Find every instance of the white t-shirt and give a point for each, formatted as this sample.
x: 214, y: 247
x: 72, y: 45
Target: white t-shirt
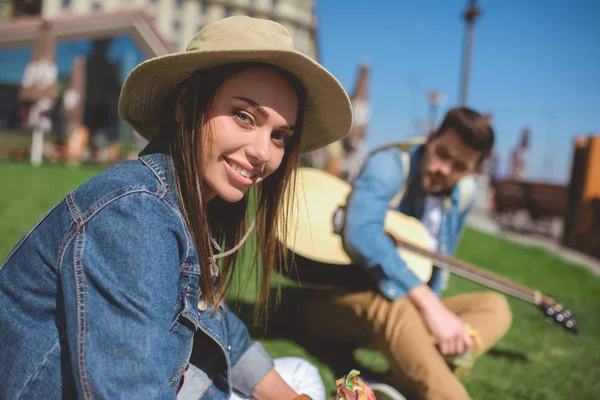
x: 432, y: 218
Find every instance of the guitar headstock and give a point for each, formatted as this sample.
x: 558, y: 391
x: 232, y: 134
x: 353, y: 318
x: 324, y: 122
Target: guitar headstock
x: 559, y: 314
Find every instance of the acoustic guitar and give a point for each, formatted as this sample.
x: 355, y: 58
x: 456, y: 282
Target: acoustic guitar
x: 322, y: 263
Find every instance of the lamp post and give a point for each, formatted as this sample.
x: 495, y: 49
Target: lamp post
x: 472, y: 13
x: 549, y: 117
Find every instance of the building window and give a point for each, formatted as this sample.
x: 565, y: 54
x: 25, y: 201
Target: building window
x: 65, y: 4
x: 179, y: 3
x: 176, y: 25
x: 274, y: 4
x: 203, y: 7
x: 228, y: 12
x: 96, y: 6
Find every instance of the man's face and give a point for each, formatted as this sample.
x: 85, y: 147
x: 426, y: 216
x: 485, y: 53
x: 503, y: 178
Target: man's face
x: 447, y: 159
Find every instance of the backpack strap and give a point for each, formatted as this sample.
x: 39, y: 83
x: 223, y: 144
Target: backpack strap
x: 404, y: 147
x: 466, y: 192
x: 395, y: 202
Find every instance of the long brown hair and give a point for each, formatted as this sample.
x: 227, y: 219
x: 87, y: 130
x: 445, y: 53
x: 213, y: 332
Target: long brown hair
x: 223, y: 221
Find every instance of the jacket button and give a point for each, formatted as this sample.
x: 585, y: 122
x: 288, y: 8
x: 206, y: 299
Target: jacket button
x: 202, y: 306
x: 229, y: 348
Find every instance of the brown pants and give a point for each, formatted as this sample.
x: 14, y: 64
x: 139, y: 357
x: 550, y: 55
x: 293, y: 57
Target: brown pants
x: 397, y: 329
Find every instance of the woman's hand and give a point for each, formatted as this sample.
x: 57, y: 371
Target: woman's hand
x: 273, y: 387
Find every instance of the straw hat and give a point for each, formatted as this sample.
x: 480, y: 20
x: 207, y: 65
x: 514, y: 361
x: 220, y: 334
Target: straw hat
x: 328, y: 115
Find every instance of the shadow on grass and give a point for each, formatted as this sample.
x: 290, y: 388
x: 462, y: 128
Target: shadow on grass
x: 339, y: 356
x: 282, y: 324
x: 509, y: 354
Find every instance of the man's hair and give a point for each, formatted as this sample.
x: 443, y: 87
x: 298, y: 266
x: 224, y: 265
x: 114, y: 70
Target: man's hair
x: 473, y: 128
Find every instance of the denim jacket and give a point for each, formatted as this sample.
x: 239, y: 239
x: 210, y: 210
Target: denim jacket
x: 381, y: 178
x: 101, y: 300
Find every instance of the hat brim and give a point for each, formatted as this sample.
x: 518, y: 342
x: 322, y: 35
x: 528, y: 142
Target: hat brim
x: 328, y: 113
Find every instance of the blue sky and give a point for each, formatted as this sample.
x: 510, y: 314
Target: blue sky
x: 535, y: 63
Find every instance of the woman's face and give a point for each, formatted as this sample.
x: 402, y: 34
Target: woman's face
x: 252, y: 120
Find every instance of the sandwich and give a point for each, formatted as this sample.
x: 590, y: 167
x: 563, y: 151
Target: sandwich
x: 351, y: 387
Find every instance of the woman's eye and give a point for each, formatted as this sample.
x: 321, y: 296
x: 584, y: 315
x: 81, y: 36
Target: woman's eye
x: 243, y: 116
x: 442, y: 153
x: 281, y: 138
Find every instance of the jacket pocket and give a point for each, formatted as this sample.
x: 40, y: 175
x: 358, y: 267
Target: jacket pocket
x: 184, y: 326
x: 187, y: 320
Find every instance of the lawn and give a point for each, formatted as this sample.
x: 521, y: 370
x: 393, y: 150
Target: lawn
x: 535, y: 360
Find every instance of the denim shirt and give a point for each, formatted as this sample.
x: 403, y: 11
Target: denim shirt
x: 101, y: 300
x: 381, y: 178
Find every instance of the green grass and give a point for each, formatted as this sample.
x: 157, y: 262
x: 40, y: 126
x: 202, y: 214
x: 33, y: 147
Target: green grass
x: 27, y: 193
x: 535, y: 360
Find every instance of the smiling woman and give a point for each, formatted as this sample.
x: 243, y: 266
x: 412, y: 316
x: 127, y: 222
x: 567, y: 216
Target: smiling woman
x: 116, y: 292
x: 250, y: 136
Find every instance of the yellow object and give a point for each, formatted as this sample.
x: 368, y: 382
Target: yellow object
x: 467, y: 359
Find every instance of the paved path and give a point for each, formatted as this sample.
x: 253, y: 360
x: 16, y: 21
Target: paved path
x: 480, y: 221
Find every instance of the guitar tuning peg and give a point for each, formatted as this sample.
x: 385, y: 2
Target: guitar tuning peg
x: 556, y: 313
x: 572, y: 326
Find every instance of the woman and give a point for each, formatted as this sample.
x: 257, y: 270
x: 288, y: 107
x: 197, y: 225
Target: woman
x: 116, y: 292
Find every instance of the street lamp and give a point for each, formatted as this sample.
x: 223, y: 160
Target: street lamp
x: 472, y: 13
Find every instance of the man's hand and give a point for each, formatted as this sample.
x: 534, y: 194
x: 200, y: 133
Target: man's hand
x: 448, y: 329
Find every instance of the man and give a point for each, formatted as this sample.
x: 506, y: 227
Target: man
x: 398, y: 314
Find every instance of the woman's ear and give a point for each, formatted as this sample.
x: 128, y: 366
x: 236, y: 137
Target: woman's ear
x: 179, y: 108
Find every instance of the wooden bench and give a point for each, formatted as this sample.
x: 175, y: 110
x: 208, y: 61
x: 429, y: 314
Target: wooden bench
x: 530, y: 206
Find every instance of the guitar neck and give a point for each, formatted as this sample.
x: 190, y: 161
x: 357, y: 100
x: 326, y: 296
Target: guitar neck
x: 475, y: 274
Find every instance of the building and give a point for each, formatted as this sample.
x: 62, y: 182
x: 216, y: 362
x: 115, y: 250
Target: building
x: 114, y: 36
x: 582, y: 211
x: 179, y: 20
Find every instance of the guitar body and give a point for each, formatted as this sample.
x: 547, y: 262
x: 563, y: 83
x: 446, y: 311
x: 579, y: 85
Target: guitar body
x: 318, y: 197
x: 321, y: 260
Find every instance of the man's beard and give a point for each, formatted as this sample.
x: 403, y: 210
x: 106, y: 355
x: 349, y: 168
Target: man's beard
x: 435, y: 192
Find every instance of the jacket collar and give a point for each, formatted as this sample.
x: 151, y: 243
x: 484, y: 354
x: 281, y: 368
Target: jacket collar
x: 156, y: 157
